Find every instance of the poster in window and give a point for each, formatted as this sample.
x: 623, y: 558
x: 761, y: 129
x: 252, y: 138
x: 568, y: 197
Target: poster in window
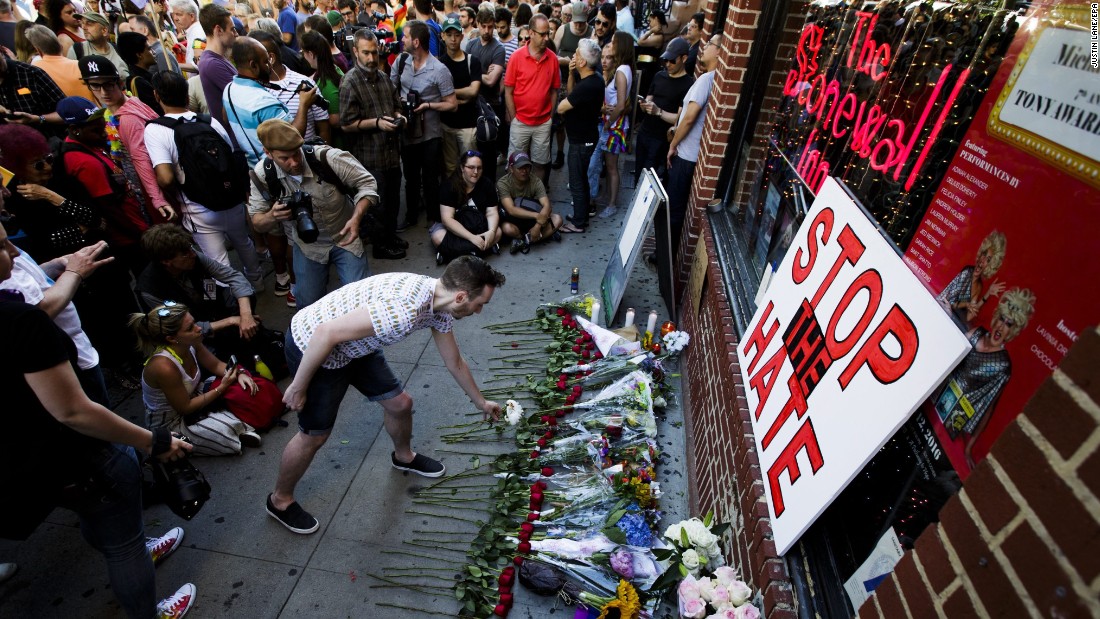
x: 1008, y: 244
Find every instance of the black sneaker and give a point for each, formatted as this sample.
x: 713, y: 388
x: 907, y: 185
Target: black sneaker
x: 517, y: 246
x: 387, y: 253
x: 294, y: 517
x: 400, y: 243
x: 421, y: 465
x: 438, y: 259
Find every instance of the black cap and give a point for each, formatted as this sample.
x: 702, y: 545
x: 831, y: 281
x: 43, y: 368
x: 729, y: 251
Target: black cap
x: 97, y: 66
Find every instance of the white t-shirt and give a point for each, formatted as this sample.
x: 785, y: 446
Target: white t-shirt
x: 398, y: 304
x: 194, y: 33
x: 688, y: 149
x: 160, y: 141
x: 28, y: 278
x: 289, y: 97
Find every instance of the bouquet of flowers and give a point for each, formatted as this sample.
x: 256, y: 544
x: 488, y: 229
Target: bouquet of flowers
x: 720, y: 597
x: 693, y: 549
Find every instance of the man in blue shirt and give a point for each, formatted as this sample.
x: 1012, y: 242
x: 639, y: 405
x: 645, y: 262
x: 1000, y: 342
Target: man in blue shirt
x: 248, y: 102
x: 288, y: 23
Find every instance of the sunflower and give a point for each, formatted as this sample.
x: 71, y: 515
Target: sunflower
x: 624, y: 606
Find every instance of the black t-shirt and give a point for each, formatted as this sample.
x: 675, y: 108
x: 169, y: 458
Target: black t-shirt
x: 38, y: 454
x: 668, y: 93
x: 465, y: 117
x: 693, y: 57
x: 484, y: 196
x: 582, y: 122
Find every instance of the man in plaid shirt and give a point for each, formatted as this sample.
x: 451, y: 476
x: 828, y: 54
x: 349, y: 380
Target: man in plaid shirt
x: 370, y: 119
x: 30, y: 95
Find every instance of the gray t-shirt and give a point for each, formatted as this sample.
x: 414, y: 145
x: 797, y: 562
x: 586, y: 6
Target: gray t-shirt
x: 433, y: 82
x: 688, y: 149
x: 488, y: 55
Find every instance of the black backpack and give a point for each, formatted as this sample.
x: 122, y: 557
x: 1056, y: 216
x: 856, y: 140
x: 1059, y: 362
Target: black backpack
x: 215, y: 175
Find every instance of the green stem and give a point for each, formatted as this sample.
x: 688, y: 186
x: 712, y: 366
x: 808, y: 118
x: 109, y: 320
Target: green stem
x: 413, y: 511
x: 419, y: 610
x: 423, y: 556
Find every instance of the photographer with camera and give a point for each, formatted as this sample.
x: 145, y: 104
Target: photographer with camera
x: 61, y: 448
x: 425, y: 88
x: 310, y: 192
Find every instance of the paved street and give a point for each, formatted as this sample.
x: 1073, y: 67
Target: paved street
x: 247, y: 565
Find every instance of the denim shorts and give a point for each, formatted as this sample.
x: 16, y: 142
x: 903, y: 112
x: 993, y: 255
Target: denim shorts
x: 370, y: 375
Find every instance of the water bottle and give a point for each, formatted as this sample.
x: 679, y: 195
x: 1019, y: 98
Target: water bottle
x: 262, y: 369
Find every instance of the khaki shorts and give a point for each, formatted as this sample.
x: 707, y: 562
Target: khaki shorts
x: 531, y: 139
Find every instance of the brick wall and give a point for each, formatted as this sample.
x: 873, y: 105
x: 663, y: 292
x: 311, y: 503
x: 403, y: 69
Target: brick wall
x: 1022, y: 539
x: 724, y: 472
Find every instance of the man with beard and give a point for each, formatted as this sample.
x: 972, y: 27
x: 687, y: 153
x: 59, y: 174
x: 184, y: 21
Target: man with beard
x: 248, y: 102
x: 369, y: 117
x: 490, y: 53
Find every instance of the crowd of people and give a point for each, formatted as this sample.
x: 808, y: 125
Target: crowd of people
x: 139, y: 150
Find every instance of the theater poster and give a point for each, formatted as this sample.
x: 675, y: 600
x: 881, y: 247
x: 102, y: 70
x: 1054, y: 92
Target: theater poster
x: 1009, y: 244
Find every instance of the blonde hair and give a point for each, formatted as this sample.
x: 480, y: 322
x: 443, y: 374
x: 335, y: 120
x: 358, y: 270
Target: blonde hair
x: 1016, y: 305
x: 153, y: 329
x: 995, y: 243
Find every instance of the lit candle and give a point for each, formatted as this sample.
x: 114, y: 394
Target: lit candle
x: 652, y: 324
x: 629, y: 317
x: 596, y: 312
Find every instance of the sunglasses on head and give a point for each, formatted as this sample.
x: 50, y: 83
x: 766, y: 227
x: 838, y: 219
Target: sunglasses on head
x: 472, y: 153
x: 164, y: 312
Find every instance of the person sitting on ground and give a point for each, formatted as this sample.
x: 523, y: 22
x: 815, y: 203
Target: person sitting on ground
x: 172, y: 339
x: 468, y: 207
x: 525, y: 210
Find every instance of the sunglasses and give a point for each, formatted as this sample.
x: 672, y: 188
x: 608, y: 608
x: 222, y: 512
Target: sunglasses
x: 164, y: 312
x: 524, y: 39
x: 602, y: 22
x: 541, y: 34
x: 46, y: 160
x: 472, y: 153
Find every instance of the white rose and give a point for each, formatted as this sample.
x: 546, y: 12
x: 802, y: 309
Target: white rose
x: 706, y: 589
x: 739, y: 592
x: 725, y: 575
x: 713, y: 550
x: 690, y: 559
x: 673, y: 532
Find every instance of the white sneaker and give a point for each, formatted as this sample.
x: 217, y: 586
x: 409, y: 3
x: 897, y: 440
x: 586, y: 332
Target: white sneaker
x: 161, y: 547
x: 250, y: 439
x: 177, y: 606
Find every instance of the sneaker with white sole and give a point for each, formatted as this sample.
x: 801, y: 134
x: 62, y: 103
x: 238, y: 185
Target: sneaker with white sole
x: 251, y: 439
x: 177, y: 606
x: 293, y: 517
x: 421, y: 465
x: 282, y: 287
x: 160, y: 547
x: 290, y: 300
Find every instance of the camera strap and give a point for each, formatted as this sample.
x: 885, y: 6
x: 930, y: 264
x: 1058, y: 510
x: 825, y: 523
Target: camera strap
x: 404, y: 58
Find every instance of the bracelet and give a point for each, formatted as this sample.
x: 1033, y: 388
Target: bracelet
x: 75, y: 273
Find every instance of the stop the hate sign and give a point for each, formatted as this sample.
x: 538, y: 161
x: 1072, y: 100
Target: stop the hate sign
x: 844, y: 346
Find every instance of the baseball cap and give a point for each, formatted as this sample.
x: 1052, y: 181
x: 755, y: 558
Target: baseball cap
x: 97, y: 66
x: 451, y: 24
x: 77, y: 110
x: 676, y: 47
x: 278, y: 134
x: 96, y: 17
x: 519, y: 160
x: 580, y: 11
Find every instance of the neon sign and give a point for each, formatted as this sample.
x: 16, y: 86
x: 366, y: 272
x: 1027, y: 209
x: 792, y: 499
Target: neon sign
x: 887, y: 143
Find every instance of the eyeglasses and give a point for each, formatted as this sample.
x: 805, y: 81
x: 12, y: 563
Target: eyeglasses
x: 602, y: 22
x: 347, y: 14
x: 46, y: 160
x: 103, y: 86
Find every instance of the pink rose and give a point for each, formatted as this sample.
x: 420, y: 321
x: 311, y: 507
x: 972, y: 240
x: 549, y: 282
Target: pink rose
x: 748, y: 611
x: 692, y: 608
x: 689, y: 589
x: 739, y: 592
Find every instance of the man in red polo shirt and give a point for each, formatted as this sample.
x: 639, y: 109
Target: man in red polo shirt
x: 531, y: 86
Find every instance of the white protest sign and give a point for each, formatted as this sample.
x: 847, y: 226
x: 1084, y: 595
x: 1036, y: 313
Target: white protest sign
x: 845, y: 345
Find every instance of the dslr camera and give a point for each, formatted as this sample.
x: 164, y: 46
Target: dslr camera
x: 319, y: 100
x: 300, y: 204
x: 385, y: 46
x: 411, y: 102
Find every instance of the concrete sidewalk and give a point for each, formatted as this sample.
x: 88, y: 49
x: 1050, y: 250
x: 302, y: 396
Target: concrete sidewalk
x: 245, y: 564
